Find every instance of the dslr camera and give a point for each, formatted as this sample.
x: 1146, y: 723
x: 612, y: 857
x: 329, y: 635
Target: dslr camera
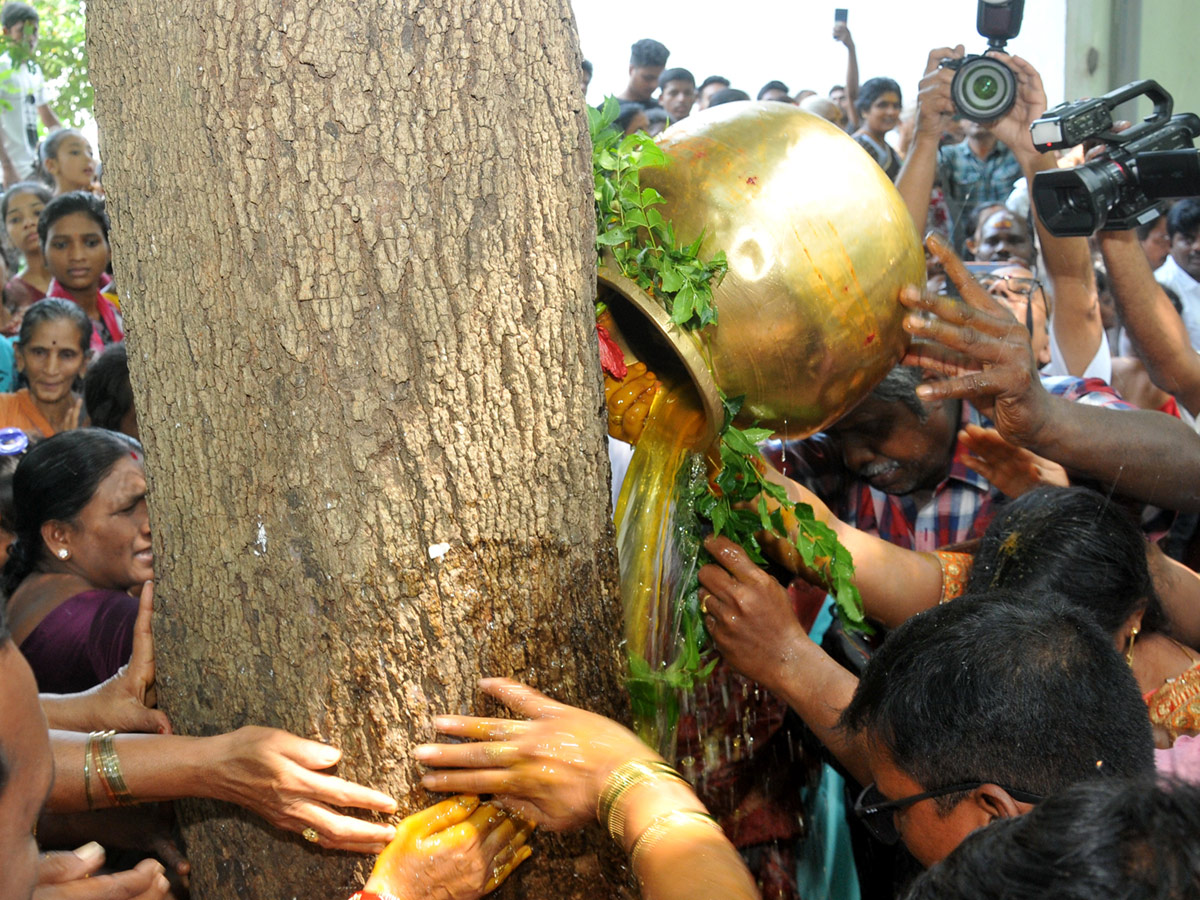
x: 1152, y: 161
x: 985, y: 88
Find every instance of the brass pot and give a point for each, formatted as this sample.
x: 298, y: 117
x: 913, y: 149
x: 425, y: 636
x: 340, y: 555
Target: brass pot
x: 819, y: 244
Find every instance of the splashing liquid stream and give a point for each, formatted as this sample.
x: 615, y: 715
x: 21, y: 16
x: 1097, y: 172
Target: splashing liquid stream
x: 658, y: 542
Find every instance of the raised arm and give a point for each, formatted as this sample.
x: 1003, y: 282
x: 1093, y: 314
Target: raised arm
x: 1158, y: 334
x: 841, y: 32
x: 1146, y: 456
x: 935, y: 109
x: 1075, y: 314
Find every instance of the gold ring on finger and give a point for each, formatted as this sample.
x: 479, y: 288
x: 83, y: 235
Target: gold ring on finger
x: 310, y: 835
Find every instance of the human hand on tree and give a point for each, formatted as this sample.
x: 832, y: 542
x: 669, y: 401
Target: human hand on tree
x: 459, y: 849
x: 549, y: 768
x: 747, y: 613
x: 279, y: 776
x: 71, y: 876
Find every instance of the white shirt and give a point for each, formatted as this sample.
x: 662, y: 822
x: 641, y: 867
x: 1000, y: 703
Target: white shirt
x: 22, y: 93
x: 1169, y: 274
x: 1100, y: 366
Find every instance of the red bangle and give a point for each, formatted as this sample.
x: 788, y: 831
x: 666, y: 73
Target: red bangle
x: 368, y: 895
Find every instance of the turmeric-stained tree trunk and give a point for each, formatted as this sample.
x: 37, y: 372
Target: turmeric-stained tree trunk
x: 353, y: 242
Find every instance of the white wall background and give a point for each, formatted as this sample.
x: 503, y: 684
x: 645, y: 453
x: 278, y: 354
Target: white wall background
x: 752, y: 42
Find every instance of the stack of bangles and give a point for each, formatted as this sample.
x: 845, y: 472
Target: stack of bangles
x: 100, y: 755
x: 612, y: 814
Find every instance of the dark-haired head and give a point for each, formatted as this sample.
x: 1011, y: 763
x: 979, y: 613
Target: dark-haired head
x: 66, y: 204
x: 52, y: 309
x: 1184, y: 217
x: 899, y: 386
x: 53, y: 483
x: 648, y: 52
x: 1133, y: 838
x: 728, y: 95
x: 990, y: 690
x: 15, y: 12
x: 1075, y: 543
x: 587, y: 67
x: 36, y: 188
x: 874, y: 88
x: 632, y: 117
x: 107, y: 393
x: 676, y: 74
x: 775, y: 90
x: 51, y: 166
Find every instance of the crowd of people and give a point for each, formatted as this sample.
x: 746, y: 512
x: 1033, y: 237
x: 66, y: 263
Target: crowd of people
x: 1021, y: 506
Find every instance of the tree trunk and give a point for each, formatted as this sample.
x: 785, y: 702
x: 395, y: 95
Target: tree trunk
x: 354, y: 246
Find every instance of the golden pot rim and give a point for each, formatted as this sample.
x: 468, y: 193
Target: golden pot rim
x: 682, y: 343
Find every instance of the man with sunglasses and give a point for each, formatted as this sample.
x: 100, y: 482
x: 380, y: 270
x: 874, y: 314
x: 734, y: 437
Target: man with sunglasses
x: 970, y: 712
x: 976, y: 710
x: 1024, y: 296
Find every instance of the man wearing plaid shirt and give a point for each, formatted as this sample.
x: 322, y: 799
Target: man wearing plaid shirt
x: 894, y: 465
x: 978, y: 170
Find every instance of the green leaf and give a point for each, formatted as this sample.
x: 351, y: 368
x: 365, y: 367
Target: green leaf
x: 757, y: 435
x: 635, y: 218
x: 672, y: 281
x: 684, y: 303
x: 651, y: 197
x: 612, y: 238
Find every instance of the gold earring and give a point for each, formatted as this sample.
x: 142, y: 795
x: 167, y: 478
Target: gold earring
x: 1129, y: 652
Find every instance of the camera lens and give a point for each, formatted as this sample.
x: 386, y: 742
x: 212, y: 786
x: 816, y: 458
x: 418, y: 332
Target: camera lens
x: 983, y: 89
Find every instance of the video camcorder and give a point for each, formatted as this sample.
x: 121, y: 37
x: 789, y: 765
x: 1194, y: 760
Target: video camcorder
x: 1154, y: 160
x: 985, y: 88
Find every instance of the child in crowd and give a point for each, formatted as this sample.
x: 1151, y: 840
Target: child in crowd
x: 66, y: 161
x: 20, y: 207
x: 73, y: 229
x: 51, y: 352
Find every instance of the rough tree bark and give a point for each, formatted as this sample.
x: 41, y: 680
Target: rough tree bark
x: 353, y: 242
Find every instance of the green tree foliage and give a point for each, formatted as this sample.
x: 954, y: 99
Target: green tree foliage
x: 62, y: 55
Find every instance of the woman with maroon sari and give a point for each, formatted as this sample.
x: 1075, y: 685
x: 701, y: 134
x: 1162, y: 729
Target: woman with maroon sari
x: 82, y: 544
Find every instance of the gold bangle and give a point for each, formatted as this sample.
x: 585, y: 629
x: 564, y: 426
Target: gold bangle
x: 663, y: 825
x: 623, y: 777
x: 87, y: 769
x: 110, y: 771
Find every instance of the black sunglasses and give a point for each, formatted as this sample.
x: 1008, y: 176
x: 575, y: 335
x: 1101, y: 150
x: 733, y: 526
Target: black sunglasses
x: 877, y: 812
x: 1018, y: 284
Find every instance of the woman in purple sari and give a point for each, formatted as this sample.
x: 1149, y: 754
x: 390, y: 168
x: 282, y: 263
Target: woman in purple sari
x: 82, y: 545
